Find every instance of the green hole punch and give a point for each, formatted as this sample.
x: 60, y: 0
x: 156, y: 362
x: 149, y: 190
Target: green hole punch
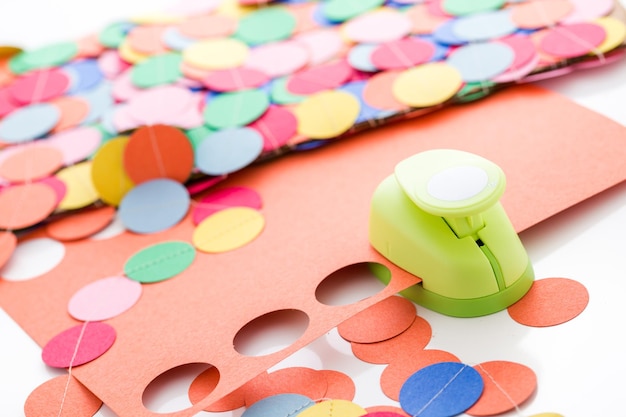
x: 439, y: 217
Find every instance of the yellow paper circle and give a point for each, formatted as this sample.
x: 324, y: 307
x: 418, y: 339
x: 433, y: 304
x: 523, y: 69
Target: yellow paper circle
x: 427, y: 85
x: 128, y: 54
x: 341, y: 408
x: 216, y: 54
x: 327, y: 114
x: 80, y: 191
x: 107, y: 171
x: 228, y: 229
x: 615, y: 33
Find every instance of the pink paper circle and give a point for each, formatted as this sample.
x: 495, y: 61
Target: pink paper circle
x: 277, y: 126
x: 75, y: 144
x: 235, y: 79
x: 402, y: 53
x: 78, y: 345
x: 278, y: 59
x: 569, y: 41
x: 123, y: 87
x: 322, y: 44
x: 223, y: 199
x: 524, y: 49
x: 322, y: 77
x: 585, y: 10
x: 161, y: 104
x: 104, y: 299
x: 39, y: 86
x: 378, y: 27
x: 58, y: 186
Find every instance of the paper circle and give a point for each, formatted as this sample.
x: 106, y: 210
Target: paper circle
x: 535, y: 14
x: 228, y: 150
x: 205, y: 383
x: 457, y: 183
x: 279, y: 404
x: 266, y: 25
x: 107, y: 171
x: 235, y: 109
x: 157, y: 70
x: 63, y: 392
x: 585, y: 11
x: 154, y: 206
x: 76, y: 144
x: 33, y: 258
x: 484, y: 26
x: 341, y: 10
x: 8, y: 243
x: 44, y: 57
x: 145, y: 40
x: 73, y: 111
x: 378, y: 91
x: 507, y: 385
x: 322, y: 45
x: 78, y: 345
x: 427, y: 85
x: 377, y: 26
x: 31, y: 163
x: 158, y: 151
x: 277, y: 126
x: 28, y: 122
x: 80, y: 225
x: 25, y: 205
x: 215, y: 54
x: 203, y: 26
x: 39, y: 86
x: 360, y: 57
x: 327, y: 408
x: 463, y: 7
x: 234, y: 79
x: 80, y: 191
x: 446, y: 388
x: 318, y: 78
x: 104, y: 299
x: 372, y: 324
x: 402, y: 53
x: 615, y: 33
x: 326, y: 114
x: 223, y: 199
x: 228, y: 229
x: 159, y: 262
x: 569, y: 41
x: 278, y: 58
x: 550, y: 302
x: 481, y: 61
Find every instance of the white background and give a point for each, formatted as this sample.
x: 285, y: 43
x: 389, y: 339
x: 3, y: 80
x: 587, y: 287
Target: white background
x: 580, y: 365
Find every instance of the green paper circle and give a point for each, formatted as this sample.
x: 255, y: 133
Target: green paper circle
x: 113, y: 35
x: 235, y: 109
x: 157, y: 70
x: 160, y: 262
x: 266, y: 25
x: 280, y: 94
x: 342, y: 10
x: 198, y: 134
x: 44, y: 57
x: 464, y: 7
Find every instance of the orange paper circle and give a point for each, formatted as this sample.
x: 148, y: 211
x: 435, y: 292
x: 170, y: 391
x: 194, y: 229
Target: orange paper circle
x: 295, y: 380
x: 47, y: 399
x: 382, y: 321
x: 8, y: 242
x: 26, y: 205
x: 205, y: 383
x: 397, y: 372
x: 158, y: 151
x: 507, y: 385
x: 378, y: 91
x: 81, y: 225
x: 31, y: 163
x: 549, y: 302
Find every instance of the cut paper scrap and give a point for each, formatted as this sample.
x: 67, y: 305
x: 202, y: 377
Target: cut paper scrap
x: 182, y: 312
x: 63, y: 393
x: 550, y: 302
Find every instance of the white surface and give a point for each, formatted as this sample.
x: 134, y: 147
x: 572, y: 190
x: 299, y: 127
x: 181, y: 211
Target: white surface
x: 579, y: 364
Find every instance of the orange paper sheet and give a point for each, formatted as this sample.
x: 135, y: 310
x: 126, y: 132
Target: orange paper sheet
x: 316, y: 205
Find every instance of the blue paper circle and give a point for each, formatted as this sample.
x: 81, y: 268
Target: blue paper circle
x: 154, y: 206
x: 278, y: 405
x: 85, y: 75
x: 484, y: 26
x: 441, y: 390
x: 28, y: 122
x: 445, y: 33
x: 176, y: 41
x: 481, y: 61
x: 360, y: 57
x: 228, y: 150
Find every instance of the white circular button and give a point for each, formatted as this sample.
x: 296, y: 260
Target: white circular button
x: 458, y: 183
